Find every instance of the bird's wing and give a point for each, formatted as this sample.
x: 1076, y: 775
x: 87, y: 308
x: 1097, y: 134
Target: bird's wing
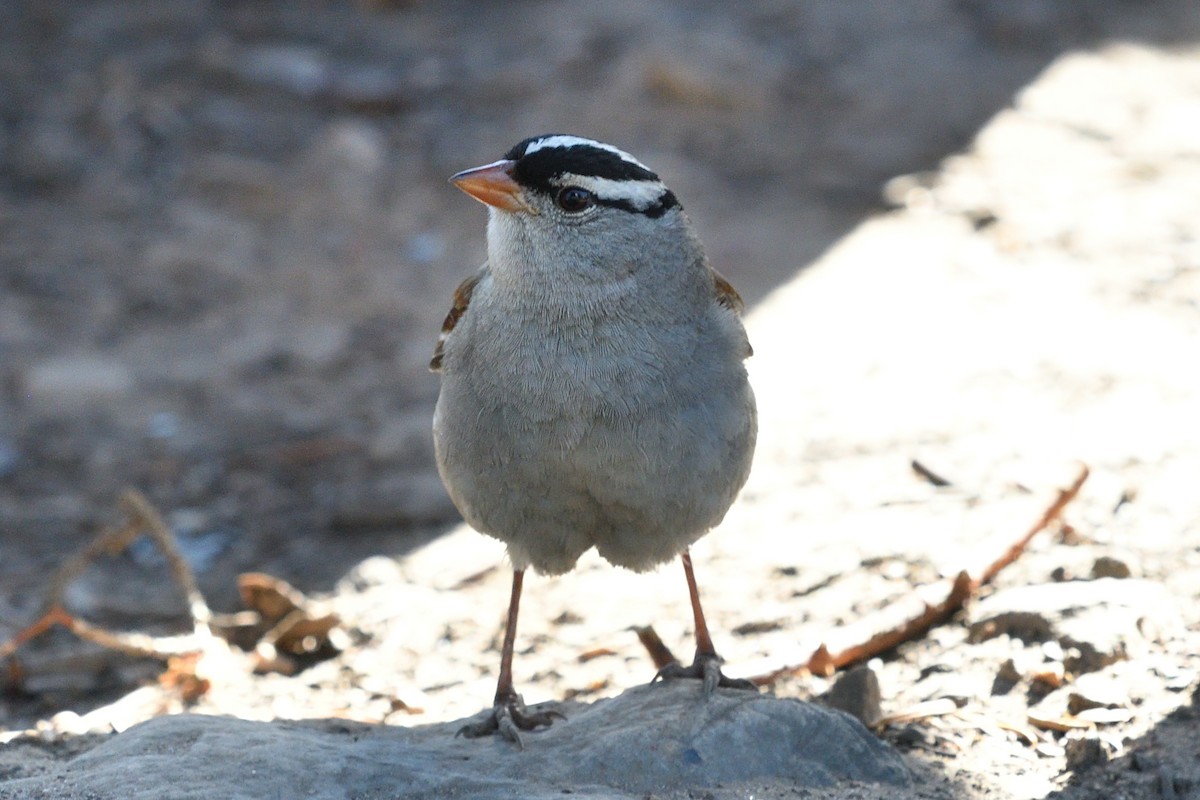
x: 728, y: 297
x: 462, y: 299
x: 726, y: 294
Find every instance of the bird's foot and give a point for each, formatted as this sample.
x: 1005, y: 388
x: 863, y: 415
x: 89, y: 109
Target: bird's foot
x: 508, y: 718
x: 706, y: 667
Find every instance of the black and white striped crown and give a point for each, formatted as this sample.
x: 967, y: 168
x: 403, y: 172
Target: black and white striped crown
x: 551, y: 161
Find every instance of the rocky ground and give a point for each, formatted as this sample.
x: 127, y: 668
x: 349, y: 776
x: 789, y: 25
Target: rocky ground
x: 227, y: 244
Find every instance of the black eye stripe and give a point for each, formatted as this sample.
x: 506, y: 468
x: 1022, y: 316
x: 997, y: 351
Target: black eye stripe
x: 660, y: 207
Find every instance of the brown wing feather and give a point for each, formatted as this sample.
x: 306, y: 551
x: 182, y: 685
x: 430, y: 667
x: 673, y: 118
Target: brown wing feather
x: 729, y: 297
x: 726, y: 294
x: 462, y: 299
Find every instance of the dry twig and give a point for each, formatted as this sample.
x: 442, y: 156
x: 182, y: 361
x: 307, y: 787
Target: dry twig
x: 929, y: 475
x: 961, y: 590
x: 141, y: 517
x: 660, y: 654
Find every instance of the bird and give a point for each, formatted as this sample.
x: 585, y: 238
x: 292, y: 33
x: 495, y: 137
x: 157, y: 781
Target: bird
x: 593, y: 385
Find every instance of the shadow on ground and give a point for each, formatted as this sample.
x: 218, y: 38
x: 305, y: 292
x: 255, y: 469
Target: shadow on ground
x: 228, y: 242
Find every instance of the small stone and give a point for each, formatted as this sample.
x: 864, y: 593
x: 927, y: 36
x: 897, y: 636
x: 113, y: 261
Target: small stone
x: 857, y: 693
x: 1007, y: 677
x: 1109, y: 567
x: 1027, y: 626
x: 72, y: 381
x: 1083, y: 753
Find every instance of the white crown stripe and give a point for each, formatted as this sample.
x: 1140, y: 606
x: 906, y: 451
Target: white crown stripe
x: 579, y: 141
x: 640, y: 194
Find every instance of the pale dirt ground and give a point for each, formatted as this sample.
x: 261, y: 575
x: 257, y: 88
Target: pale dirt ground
x: 1032, y: 303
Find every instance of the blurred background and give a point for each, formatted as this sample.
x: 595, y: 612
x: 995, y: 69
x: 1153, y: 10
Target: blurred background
x: 227, y: 241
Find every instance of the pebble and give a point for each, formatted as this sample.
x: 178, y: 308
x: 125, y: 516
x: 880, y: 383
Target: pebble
x: 857, y: 693
x: 72, y: 381
x: 1007, y: 677
x: 1109, y: 567
x: 1084, y: 753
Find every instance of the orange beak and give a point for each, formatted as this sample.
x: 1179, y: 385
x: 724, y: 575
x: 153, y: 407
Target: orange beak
x: 493, y: 184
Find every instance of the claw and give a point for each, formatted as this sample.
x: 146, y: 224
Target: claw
x: 508, y: 718
x: 707, y: 668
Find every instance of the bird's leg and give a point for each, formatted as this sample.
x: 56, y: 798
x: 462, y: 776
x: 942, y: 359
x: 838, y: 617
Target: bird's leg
x: 707, y: 664
x: 509, y: 716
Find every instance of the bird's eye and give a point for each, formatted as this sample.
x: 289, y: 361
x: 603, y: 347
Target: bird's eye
x: 572, y: 199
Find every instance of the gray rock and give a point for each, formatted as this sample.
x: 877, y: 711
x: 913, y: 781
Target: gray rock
x: 857, y: 693
x: 656, y: 739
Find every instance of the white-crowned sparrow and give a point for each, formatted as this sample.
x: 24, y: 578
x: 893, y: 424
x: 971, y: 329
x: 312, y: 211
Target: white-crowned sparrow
x: 593, y: 391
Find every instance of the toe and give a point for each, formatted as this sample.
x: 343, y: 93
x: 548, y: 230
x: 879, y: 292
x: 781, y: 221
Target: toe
x: 712, y: 676
x: 508, y: 718
x: 477, y: 730
x: 707, y: 669
x: 509, y: 728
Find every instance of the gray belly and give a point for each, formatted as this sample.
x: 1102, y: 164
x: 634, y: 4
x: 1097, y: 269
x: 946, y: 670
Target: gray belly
x: 565, y: 464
